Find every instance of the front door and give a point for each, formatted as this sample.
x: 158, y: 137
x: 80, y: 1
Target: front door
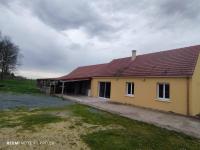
x: 104, y: 89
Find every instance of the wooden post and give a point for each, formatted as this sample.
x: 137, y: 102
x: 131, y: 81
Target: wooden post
x: 54, y: 87
x: 63, y: 86
x: 50, y: 88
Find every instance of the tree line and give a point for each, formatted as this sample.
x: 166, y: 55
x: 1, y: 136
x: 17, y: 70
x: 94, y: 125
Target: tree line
x: 9, y: 56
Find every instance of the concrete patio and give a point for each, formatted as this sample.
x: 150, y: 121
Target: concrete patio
x: 187, y: 125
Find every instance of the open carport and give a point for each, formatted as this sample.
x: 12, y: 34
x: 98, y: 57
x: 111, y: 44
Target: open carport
x: 77, y: 87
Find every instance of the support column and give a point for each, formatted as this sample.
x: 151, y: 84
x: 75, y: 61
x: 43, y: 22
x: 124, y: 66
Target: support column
x: 54, y: 88
x: 63, y: 86
x: 50, y: 88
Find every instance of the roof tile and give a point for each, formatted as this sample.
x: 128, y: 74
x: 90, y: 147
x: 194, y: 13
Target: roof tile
x: 176, y: 62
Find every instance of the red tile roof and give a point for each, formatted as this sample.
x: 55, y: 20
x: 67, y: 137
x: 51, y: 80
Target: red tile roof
x: 177, y: 62
x: 85, y: 72
x: 172, y: 63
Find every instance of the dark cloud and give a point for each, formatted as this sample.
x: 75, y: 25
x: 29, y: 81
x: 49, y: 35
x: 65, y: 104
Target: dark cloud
x: 63, y: 15
x: 184, y: 8
x: 176, y: 14
x: 165, y: 14
x: 5, y: 2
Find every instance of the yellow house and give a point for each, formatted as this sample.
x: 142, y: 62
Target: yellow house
x: 167, y: 81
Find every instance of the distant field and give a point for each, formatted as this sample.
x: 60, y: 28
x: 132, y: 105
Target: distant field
x: 19, y: 86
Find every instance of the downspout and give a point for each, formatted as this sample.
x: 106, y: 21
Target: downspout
x: 188, y: 96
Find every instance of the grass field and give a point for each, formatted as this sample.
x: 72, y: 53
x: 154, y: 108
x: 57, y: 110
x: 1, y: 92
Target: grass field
x: 19, y: 86
x: 81, y: 127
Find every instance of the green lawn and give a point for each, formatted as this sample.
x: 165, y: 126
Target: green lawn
x: 133, y: 135
x: 114, y: 132
x: 19, y: 86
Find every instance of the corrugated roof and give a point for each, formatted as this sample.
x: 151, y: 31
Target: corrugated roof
x: 176, y: 62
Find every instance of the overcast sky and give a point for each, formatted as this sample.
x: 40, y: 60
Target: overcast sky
x: 56, y: 36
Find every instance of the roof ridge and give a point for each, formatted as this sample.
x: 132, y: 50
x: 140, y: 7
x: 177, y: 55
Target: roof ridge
x: 161, y: 51
x: 169, y: 50
x: 92, y: 65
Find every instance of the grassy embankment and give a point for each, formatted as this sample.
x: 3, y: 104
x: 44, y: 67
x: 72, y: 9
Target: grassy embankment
x: 19, y: 86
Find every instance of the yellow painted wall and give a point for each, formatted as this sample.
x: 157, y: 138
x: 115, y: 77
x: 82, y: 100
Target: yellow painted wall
x: 195, y: 90
x: 146, y: 92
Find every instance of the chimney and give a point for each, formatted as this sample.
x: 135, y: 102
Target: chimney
x: 133, y: 54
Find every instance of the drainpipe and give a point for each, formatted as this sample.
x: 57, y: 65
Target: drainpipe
x: 188, y: 96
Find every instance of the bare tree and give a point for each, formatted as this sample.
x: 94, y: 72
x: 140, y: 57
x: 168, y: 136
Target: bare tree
x: 8, y: 56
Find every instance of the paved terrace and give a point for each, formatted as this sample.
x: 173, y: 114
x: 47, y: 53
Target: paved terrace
x: 187, y: 125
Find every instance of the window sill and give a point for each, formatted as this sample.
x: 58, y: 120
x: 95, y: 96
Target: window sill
x: 163, y: 100
x: 129, y: 95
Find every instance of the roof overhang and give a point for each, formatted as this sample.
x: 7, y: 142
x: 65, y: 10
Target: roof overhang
x: 75, y: 79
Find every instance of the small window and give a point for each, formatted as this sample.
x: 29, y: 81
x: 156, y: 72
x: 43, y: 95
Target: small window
x: 130, y: 88
x: 163, y: 91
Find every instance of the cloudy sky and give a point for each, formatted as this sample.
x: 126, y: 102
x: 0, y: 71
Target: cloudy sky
x: 55, y: 36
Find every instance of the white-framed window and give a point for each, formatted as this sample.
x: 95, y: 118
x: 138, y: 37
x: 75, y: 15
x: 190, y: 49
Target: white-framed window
x: 130, y: 88
x: 163, y: 91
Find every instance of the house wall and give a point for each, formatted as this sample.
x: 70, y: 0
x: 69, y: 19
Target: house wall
x: 195, y: 90
x: 146, y: 92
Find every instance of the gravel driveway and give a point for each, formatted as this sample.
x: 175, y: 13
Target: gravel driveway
x: 8, y: 101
